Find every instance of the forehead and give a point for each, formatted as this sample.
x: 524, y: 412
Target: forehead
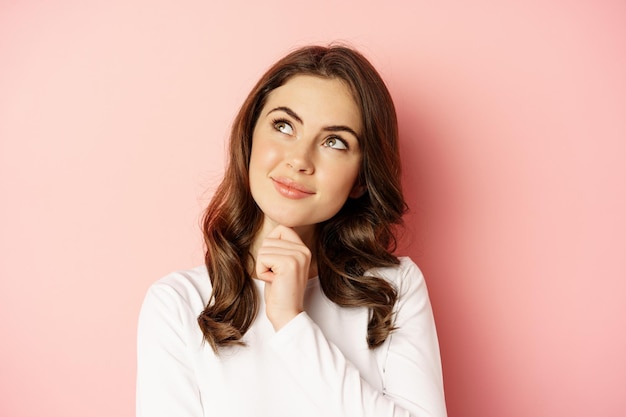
x: 317, y: 100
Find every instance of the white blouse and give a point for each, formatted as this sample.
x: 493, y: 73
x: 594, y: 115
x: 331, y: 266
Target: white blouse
x: 318, y: 364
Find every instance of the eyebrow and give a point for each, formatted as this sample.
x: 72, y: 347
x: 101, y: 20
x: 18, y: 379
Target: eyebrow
x: 333, y: 128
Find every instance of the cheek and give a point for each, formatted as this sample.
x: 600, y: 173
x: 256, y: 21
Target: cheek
x: 343, y: 178
x: 256, y: 151
x: 262, y: 154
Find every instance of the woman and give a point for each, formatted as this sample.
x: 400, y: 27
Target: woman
x: 301, y: 309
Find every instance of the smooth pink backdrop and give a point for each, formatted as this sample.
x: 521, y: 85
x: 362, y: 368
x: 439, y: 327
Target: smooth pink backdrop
x: 113, y: 117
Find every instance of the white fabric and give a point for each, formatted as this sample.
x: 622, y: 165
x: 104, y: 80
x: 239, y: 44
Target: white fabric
x: 318, y: 364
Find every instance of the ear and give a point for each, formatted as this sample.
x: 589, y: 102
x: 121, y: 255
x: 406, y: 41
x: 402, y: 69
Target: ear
x: 358, y: 190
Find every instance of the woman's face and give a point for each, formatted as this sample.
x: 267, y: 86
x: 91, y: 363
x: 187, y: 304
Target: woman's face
x: 305, y: 151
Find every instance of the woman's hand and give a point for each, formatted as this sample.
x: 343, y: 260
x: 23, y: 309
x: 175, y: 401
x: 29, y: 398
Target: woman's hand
x: 283, y: 262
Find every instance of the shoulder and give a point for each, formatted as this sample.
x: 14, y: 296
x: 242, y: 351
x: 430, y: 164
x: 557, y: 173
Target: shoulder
x: 405, y: 273
x: 407, y: 279
x: 190, y: 288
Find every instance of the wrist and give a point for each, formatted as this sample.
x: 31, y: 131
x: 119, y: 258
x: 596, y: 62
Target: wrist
x: 281, y: 318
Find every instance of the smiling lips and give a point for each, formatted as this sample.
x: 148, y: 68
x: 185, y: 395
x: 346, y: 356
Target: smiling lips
x: 291, y: 189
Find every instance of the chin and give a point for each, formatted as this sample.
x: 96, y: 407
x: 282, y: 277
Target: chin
x: 295, y: 224
x: 290, y: 221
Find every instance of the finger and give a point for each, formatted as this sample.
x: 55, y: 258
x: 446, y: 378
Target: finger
x: 270, y: 263
x: 271, y: 246
x: 278, y: 243
x: 264, y: 271
x: 282, y: 247
x: 284, y: 233
x: 287, y: 262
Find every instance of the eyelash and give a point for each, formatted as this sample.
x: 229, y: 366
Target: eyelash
x: 278, y: 121
x: 339, y: 139
x: 275, y: 122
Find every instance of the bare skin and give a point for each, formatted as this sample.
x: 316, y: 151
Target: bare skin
x: 284, y: 264
x: 304, y: 165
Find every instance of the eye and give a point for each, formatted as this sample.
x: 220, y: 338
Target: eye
x: 336, y: 143
x: 283, y: 127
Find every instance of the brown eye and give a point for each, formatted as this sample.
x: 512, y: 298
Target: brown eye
x: 335, y: 143
x: 283, y: 127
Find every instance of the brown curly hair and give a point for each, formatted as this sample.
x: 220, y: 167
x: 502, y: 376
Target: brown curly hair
x: 359, y: 237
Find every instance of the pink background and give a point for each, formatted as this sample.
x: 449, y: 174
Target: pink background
x: 113, y: 117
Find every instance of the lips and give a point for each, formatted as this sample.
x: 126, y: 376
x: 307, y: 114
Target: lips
x: 291, y: 189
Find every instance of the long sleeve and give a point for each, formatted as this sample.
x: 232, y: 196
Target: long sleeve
x: 317, y: 365
x: 411, y: 366
x: 166, y: 384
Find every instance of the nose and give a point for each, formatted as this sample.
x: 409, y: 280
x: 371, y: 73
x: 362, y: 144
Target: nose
x: 300, y: 158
